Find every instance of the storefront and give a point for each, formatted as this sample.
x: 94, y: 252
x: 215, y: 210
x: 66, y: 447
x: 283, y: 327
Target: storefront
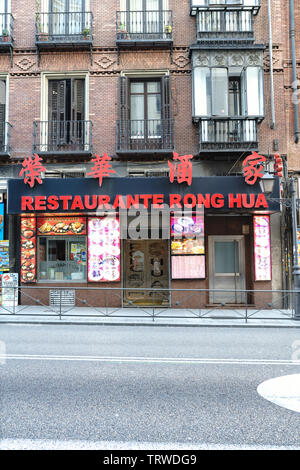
x: 143, y: 235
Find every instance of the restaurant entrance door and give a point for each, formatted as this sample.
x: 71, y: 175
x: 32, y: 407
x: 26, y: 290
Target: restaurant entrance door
x: 146, y: 267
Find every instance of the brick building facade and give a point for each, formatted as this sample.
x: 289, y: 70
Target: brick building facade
x: 88, y: 53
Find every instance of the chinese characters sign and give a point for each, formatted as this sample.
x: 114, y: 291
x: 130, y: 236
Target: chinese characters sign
x: 262, y: 248
x: 253, y: 168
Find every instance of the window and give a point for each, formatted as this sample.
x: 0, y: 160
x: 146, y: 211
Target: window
x: 5, y: 18
x: 66, y: 111
x: 229, y: 92
x: 62, y: 258
x: 145, y: 16
x: 145, y: 110
x: 67, y: 17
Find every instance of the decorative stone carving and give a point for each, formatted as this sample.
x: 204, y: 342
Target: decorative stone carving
x: 105, y: 61
x: 237, y: 60
x: 25, y: 64
x: 181, y: 60
x: 201, y: 60
x: 219, y: 60
x: 241, y: 58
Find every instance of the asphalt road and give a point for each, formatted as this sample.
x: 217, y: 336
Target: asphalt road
x: 129, y: 387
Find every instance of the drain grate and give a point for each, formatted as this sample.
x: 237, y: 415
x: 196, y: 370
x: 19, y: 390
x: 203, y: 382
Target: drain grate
x: 66, y: 297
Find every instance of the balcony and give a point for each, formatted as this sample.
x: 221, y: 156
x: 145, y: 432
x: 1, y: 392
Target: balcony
x: 6, y: 32
x: 65, y: 138
x: 226, y: 26
x: 236, y: 134
x: 144, y: 28
x: 145, y: 137
x: 5, y: 149
x: 69, y: 30
x: 246, y: 5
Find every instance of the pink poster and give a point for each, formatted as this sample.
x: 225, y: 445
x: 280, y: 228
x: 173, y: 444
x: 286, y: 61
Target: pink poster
x: 104, y: 249
x: 262, y: 248
x: 188, y: 267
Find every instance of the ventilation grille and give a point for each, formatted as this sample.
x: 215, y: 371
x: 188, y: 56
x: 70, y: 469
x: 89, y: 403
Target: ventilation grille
x: 63, y: 174
x: 138, y: 173
x: 64, y: 297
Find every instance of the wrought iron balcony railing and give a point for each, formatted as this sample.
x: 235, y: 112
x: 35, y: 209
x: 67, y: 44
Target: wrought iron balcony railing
x: 223, y: 24
x: 143, y: 26
x: 152, y: 135
x: 253, y: 5
x: 64, y: 28
x: 5, y: 129
x: 6, y: 30
x: 232, y: 133
x: 63, y: 137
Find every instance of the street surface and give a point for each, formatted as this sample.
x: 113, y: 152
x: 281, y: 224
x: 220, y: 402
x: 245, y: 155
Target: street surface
x: 131, y: 387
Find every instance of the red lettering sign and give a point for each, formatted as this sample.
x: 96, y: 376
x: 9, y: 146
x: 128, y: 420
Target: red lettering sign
x: 102, y: 168
x: 183, y: 169
x: 32, y: 169
x: 252, y: 168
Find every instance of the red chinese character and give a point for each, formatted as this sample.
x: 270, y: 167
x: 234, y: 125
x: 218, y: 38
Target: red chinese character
x: 32, y: 168
x: 101, y: 167
x: 184, y: 169
x: 252, y: 169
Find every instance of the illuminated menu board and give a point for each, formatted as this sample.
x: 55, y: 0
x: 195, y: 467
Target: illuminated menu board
x: 188, y: 267
x: 104, y: 249
x: 28, y: 249
x: 187, y: 241
x: 262, y: 248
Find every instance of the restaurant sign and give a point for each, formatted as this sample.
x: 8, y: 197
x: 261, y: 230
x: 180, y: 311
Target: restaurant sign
x: 83, y: 195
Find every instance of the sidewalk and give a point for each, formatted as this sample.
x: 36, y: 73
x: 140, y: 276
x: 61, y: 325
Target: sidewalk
x: 149, y: 317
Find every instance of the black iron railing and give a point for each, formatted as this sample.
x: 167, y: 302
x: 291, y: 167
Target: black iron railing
x: 229, y: 133
x: 142, y: 134
x: 223, y: 24
x: 144, y: 25
x: 5, y: 128
x: 253, y: 5
x: 106, y: 302
x: 64, y: 27
x: 62, y: 136
x: 6, y: 29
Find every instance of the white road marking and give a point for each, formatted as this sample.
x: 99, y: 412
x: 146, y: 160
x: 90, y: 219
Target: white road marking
x: 26, y: 444
x: 149, y: 360
x: 283, y: 391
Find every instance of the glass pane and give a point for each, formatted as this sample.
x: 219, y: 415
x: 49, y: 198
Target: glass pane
x: 154, y: 107
x: 220, y: 92
x: 254, y: 91
x: 137, y: 107
x: 59, y: 6
x: 226, y: 257
x: 2, y: 92
x: 136, y: 5
x: 62, y: 259
x: 153, y: 87
x: 137, y: 87
x: 57, y: 250
x: 202, y: 92
x: 152, y: 5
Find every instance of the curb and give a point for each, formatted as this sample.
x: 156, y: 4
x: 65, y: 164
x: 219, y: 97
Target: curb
x: 166, y: 325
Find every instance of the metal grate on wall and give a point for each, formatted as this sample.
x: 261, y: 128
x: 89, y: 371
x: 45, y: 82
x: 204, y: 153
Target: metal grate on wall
x: 65, y: 298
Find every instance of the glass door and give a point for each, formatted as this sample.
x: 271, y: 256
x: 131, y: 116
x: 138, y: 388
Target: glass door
x: 227, y: 269
x: 145, y: 113
x: 146, y: 266
x: 67, y: 17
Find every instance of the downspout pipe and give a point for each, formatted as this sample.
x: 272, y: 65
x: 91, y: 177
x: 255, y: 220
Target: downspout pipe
x: 273, y: 120
x: 294, y: 67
